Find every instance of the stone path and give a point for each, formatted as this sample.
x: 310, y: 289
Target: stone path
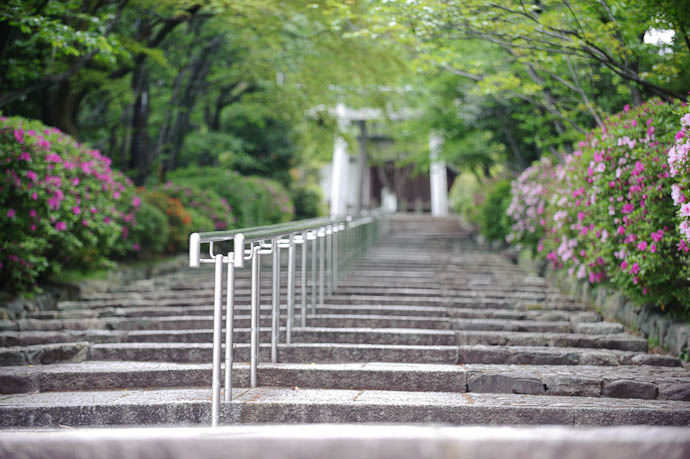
x: 427, y: 328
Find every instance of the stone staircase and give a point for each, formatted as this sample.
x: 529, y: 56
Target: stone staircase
x: 427, y: 328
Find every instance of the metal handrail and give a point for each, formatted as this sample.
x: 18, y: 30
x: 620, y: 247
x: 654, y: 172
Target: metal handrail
x: 336, y: 242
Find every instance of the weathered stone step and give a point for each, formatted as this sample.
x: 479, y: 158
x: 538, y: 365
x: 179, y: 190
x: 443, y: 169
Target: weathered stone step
x: 142, y: 311
x: 516, y: 314
x: 620, y: 341
x: 276, y: 405
x: 346, y: 441
x: 539, y: 355
x: 295, y: 353
x: 403, y: 336
x: 511, y: 325
x: 177, y: 322
x: 621, y: 382
x: 44, y: 354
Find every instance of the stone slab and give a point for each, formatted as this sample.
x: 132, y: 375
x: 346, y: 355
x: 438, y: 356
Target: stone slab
x: 275, y: 405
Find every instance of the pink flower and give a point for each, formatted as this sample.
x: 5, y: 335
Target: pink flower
x: 135, y: 247
x: 33, y: 227
x: 32, y: 213
x: 31, y: 175
x: 34, y: 196
x: 76, y: 210
x: 685, y: 210
x: 628, y: 208
x: 61, y: 226
x: 25, y: 157
x: 635, y: 268
x: 136, y: 201
x: 10, y: 213
x: 642, y: 245
x: 53, y: 158
x: 19, y: 135
x: 624, y: 265
x: 652, y: 248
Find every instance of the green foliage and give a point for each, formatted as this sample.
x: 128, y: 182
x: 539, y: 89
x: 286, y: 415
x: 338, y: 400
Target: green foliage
x: 150, y: 230
x: 483, y: 202
x: 178, y: 218
x: 270, y: 202
x: 308, y: 201
x: 493, y: 220
x: 254, y: 201
x: 62, y: 204
x: 209, y: 211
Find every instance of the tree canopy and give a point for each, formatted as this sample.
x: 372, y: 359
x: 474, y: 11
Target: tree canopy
x: 247, y: 85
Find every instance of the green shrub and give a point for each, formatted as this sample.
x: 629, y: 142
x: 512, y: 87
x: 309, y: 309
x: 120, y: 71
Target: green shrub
x: 203, y: 206
x: 178, y: 218
x: 62, y: 204
x: 465, y: 196
x: 271, y: 204
x: 308, y: 201
x: 254, y: 201
x: 492, y: 218
x: 225, y: 183
x: 150, y: 231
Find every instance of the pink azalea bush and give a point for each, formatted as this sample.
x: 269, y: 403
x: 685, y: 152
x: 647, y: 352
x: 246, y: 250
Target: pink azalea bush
x: 62, y: 204
x: 528, y: 206
x: 606, y: 213
x: 679, y: 168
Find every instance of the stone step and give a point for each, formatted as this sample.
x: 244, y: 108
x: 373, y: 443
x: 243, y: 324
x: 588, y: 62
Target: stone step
x: 345, y: 441
x: 620, y: 341
x: 44, y: 353
x: 539, y: 355
x: 515, y: 314
x: 143, y: 311
x: 621, y: 382
x: 294, y: 405
x: 511, y: 325
x: 295, y: 353
x: 402, y: 336
x: 177, y: 322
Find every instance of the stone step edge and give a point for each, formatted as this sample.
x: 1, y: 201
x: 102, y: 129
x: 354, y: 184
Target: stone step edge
x: 345, y: 441
x: 278, y: 405
x: 588, y: 381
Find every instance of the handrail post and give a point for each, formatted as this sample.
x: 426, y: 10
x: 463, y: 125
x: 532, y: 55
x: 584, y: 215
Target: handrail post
x: 217, y: 324
x: 303, y: 285
x: 322, y: 266
x: 255, y: 306
x: 329, y: 259
x: 336, y: 235
x: 290, y: 290
x: 275, y: 313
x: 229, y: 319
x: 313, y: 270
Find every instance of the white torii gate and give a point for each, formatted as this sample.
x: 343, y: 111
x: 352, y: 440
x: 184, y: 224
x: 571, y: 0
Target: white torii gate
x: 343, y: 177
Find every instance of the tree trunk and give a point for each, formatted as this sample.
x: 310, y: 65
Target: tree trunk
x: 61, y: 109
x: 139, y: 156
